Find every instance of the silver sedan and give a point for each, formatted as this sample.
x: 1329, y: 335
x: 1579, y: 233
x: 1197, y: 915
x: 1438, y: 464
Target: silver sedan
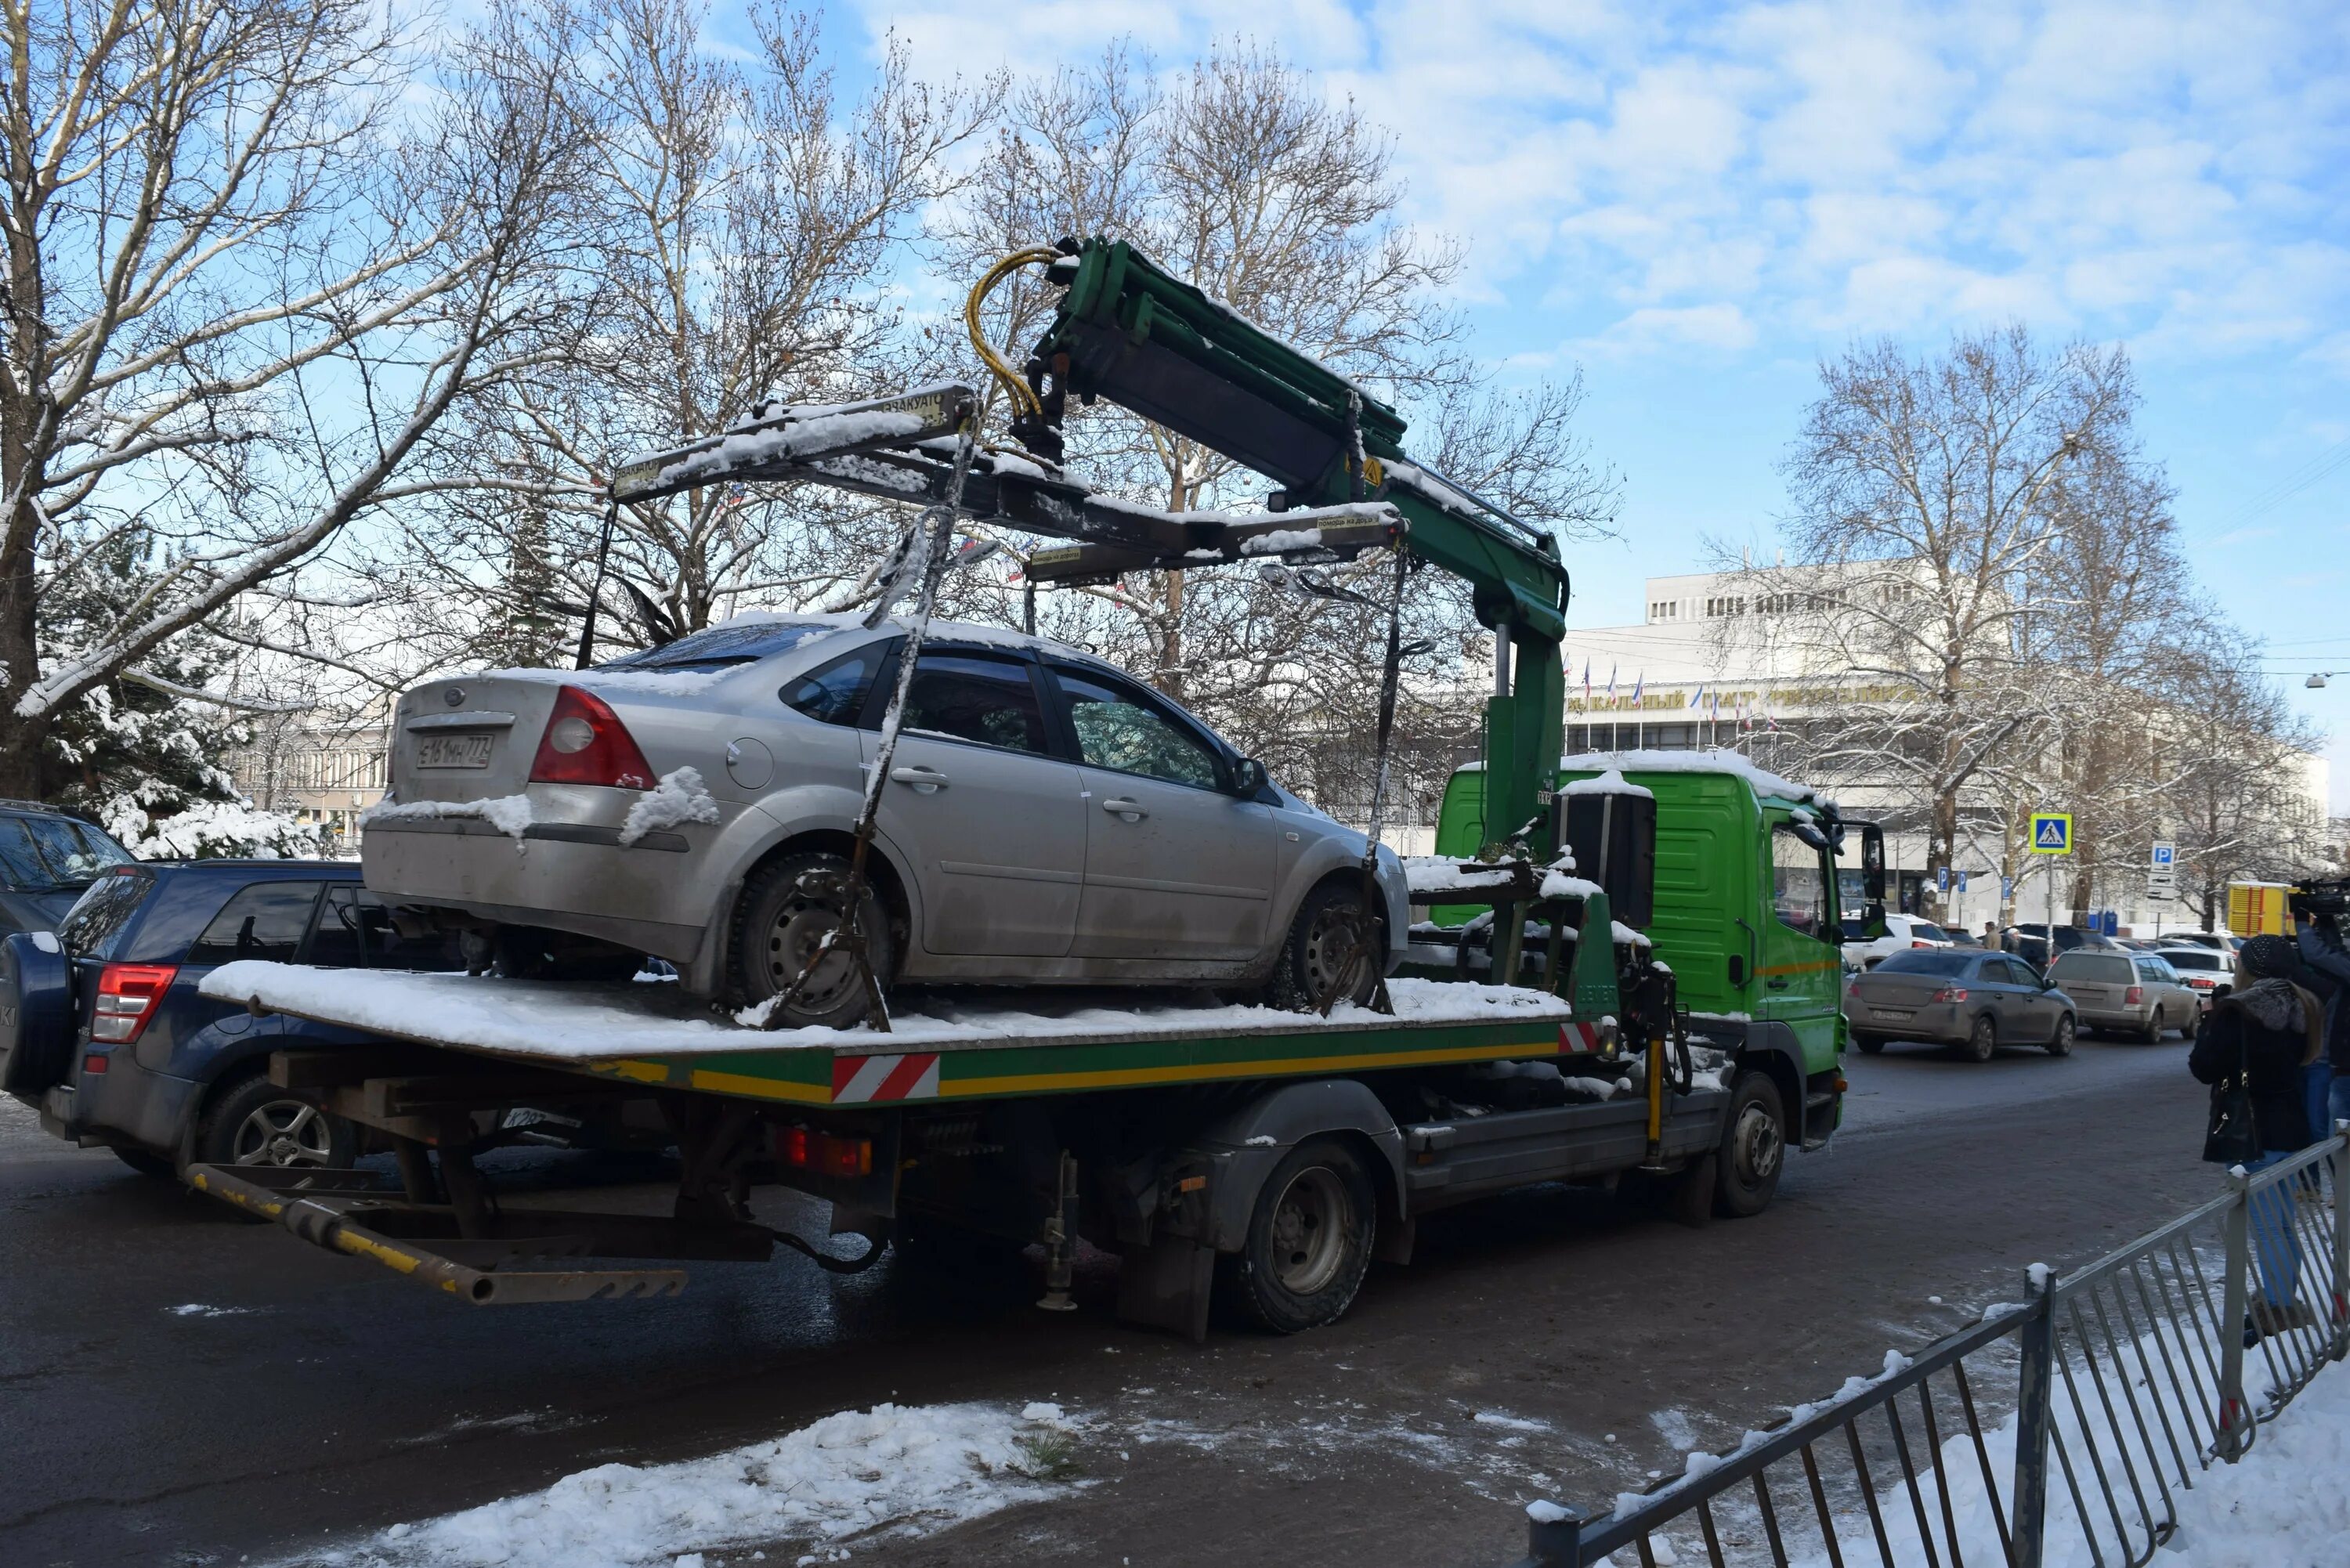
x: 1046, y: 819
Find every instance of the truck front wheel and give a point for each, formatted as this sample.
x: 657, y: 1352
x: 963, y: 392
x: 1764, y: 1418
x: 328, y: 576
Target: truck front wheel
x: 1309, y: 1238
x: 1753, y: 1147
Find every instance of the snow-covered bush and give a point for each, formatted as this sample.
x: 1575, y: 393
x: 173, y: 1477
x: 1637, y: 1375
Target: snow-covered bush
x: 215, y: 830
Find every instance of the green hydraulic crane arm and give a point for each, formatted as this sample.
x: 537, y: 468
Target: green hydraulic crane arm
x: 1127, y: 332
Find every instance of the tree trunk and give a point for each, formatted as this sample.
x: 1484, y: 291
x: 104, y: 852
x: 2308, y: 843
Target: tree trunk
x: 1170, y: 675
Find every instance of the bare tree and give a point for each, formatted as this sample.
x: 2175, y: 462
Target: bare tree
x: 256, y: 254
x: 1928, y: 507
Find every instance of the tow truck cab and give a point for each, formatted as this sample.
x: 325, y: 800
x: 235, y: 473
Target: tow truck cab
x: 1738, y: 879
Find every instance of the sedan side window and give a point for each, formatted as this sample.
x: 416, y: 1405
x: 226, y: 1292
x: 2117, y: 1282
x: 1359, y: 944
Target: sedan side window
x: 266, y: 920
x: 986, y: 700
x: 1122, y: 730
x: 835, y: 693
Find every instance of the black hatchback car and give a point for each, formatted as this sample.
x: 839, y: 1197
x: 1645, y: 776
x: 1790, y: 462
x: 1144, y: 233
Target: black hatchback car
x: 46, y: 857
x: 103, y: 1031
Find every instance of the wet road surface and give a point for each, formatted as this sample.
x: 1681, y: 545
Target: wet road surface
x: 180, y: 1387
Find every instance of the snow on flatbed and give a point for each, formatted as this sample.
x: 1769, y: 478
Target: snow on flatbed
x: 578, y: 1022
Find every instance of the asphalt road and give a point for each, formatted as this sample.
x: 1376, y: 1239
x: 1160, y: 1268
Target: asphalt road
x: 178, y: 1387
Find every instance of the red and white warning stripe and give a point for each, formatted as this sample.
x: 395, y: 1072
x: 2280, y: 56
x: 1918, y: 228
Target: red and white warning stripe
x: 1579, y: 1039
x: 871, y: 1079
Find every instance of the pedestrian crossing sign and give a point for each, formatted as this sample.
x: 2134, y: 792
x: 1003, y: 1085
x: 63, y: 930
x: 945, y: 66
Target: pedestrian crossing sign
x: 2052, y: 833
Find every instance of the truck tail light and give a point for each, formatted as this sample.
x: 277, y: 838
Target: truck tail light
x: 127, y: 998
x: 2135, y: 995
x: 1951, y: 993
x: 823, y: 1153
x: 587, y: 743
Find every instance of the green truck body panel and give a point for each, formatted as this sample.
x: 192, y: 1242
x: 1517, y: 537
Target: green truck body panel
x: 1714, y: 901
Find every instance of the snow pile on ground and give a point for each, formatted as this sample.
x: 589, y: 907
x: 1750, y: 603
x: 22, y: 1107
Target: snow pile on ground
x: 681, y: 796
x: 888, y: 1472
x: 571, y: 1021
x: 509, y: 813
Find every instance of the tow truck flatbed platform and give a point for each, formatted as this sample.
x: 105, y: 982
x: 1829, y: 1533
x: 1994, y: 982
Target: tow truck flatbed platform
x: 949, y: 1046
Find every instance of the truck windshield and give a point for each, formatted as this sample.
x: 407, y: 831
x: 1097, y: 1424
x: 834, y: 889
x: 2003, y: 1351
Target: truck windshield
x: 54, y: 854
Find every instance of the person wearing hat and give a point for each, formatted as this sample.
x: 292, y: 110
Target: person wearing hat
x: 2272, y: 1029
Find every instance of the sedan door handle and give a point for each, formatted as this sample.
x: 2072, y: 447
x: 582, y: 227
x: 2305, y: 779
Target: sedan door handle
x: 922, y: 778
x: 1129, y: 809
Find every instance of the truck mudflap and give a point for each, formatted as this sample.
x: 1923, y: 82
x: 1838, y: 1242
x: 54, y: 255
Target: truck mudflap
x: 362, y: 1215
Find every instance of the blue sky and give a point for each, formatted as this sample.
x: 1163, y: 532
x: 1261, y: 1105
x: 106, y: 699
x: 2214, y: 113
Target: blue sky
x: 1696, y: 203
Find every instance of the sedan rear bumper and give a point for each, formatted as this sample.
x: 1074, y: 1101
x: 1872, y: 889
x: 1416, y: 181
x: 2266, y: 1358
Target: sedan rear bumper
x: 1940, y: 1021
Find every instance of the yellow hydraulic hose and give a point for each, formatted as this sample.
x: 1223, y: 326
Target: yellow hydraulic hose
x: 1022, y: 399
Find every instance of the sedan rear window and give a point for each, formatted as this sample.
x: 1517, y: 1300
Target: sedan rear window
x: 1929, y: 961
x: 93, y: 928
x: 2209, y: 961
x: 1928, y: 932
x: 723, y: 646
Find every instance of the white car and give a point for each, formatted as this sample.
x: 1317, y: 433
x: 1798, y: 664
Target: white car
x: 1902, y: 934
x: 2209, y: 974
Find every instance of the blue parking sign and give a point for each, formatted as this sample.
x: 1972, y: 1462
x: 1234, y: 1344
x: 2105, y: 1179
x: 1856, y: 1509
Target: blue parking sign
x: 1962, y: 881
x: 1941, y: 878
x: 2006, y: 887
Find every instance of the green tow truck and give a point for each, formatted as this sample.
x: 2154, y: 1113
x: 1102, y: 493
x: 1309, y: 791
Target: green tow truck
x: 1670, y: 1018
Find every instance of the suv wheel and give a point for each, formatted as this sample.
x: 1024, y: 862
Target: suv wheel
x: 255, y: 1122
x: 785, y: 911
x: 1320, y: 953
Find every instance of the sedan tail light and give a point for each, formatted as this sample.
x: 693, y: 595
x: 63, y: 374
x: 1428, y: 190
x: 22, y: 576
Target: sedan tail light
x: 127, y: 997
x: 1915, y: 943
x: 587, y: 743
x: 2135, y: 994
x: 1951, y: 993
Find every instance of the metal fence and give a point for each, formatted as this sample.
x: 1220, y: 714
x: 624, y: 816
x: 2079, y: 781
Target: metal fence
x: 2124, y: 1383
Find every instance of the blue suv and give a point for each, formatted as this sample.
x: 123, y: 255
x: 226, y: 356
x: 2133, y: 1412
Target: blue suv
x: 102, y: 1030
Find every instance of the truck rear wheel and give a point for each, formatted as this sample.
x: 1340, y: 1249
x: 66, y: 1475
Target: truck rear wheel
x: 1309, y: 1238
x: 1753, y: 1147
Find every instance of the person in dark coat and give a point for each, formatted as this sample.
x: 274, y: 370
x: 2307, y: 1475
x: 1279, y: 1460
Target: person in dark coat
x: 2272, y: 1028
x: 2321, y: 950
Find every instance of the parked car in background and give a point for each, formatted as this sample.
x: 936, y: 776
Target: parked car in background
x: 46, y: 857
x: 1047, y: 819
x: 1976, y: 1001
x: 102, y: 1030
x: 1962, y: 938
x: 2209, y: 974
x: 2192, y: 936
x: 2132, y: 993
x: 2030, y: 942
x: 1903, y: 933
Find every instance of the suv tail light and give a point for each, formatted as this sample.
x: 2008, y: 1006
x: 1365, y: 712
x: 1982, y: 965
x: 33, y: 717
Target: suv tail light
x: 1915, y: 943
x: 587, y: 743
x: 1951, y: 993
x: 127, y: 997
x: 2136, y: 994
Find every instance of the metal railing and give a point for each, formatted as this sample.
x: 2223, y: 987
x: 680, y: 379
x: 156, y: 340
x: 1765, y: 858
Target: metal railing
x: 2125, y: 1381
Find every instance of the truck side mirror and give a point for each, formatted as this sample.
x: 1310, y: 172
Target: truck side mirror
x: 1872, y: 865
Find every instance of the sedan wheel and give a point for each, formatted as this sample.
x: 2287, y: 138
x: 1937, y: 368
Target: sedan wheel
x: 786, y: 911
x: 2061, y: 1042
x: 1325, y: 952
x: 1982, y: 1041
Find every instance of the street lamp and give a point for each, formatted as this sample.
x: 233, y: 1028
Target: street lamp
x: 2317, y: 682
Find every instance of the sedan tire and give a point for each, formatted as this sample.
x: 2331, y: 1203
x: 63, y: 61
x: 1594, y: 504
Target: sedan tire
x: 784, y: 911
x: 2061, y: 1042
x: 1868, y: 1045
x: 1319, y: 953
x: 1982, y: 1040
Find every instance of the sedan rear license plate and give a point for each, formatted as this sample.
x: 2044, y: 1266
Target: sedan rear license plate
x: 1897, y: 1014
x: 455, y: 751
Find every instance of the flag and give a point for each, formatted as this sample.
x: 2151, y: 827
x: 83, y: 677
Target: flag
x: 1638, y: 686
x: 1586, y: 684
x: 1697, y: 698
x: 1714, y: 711
x: 1611, y: 683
